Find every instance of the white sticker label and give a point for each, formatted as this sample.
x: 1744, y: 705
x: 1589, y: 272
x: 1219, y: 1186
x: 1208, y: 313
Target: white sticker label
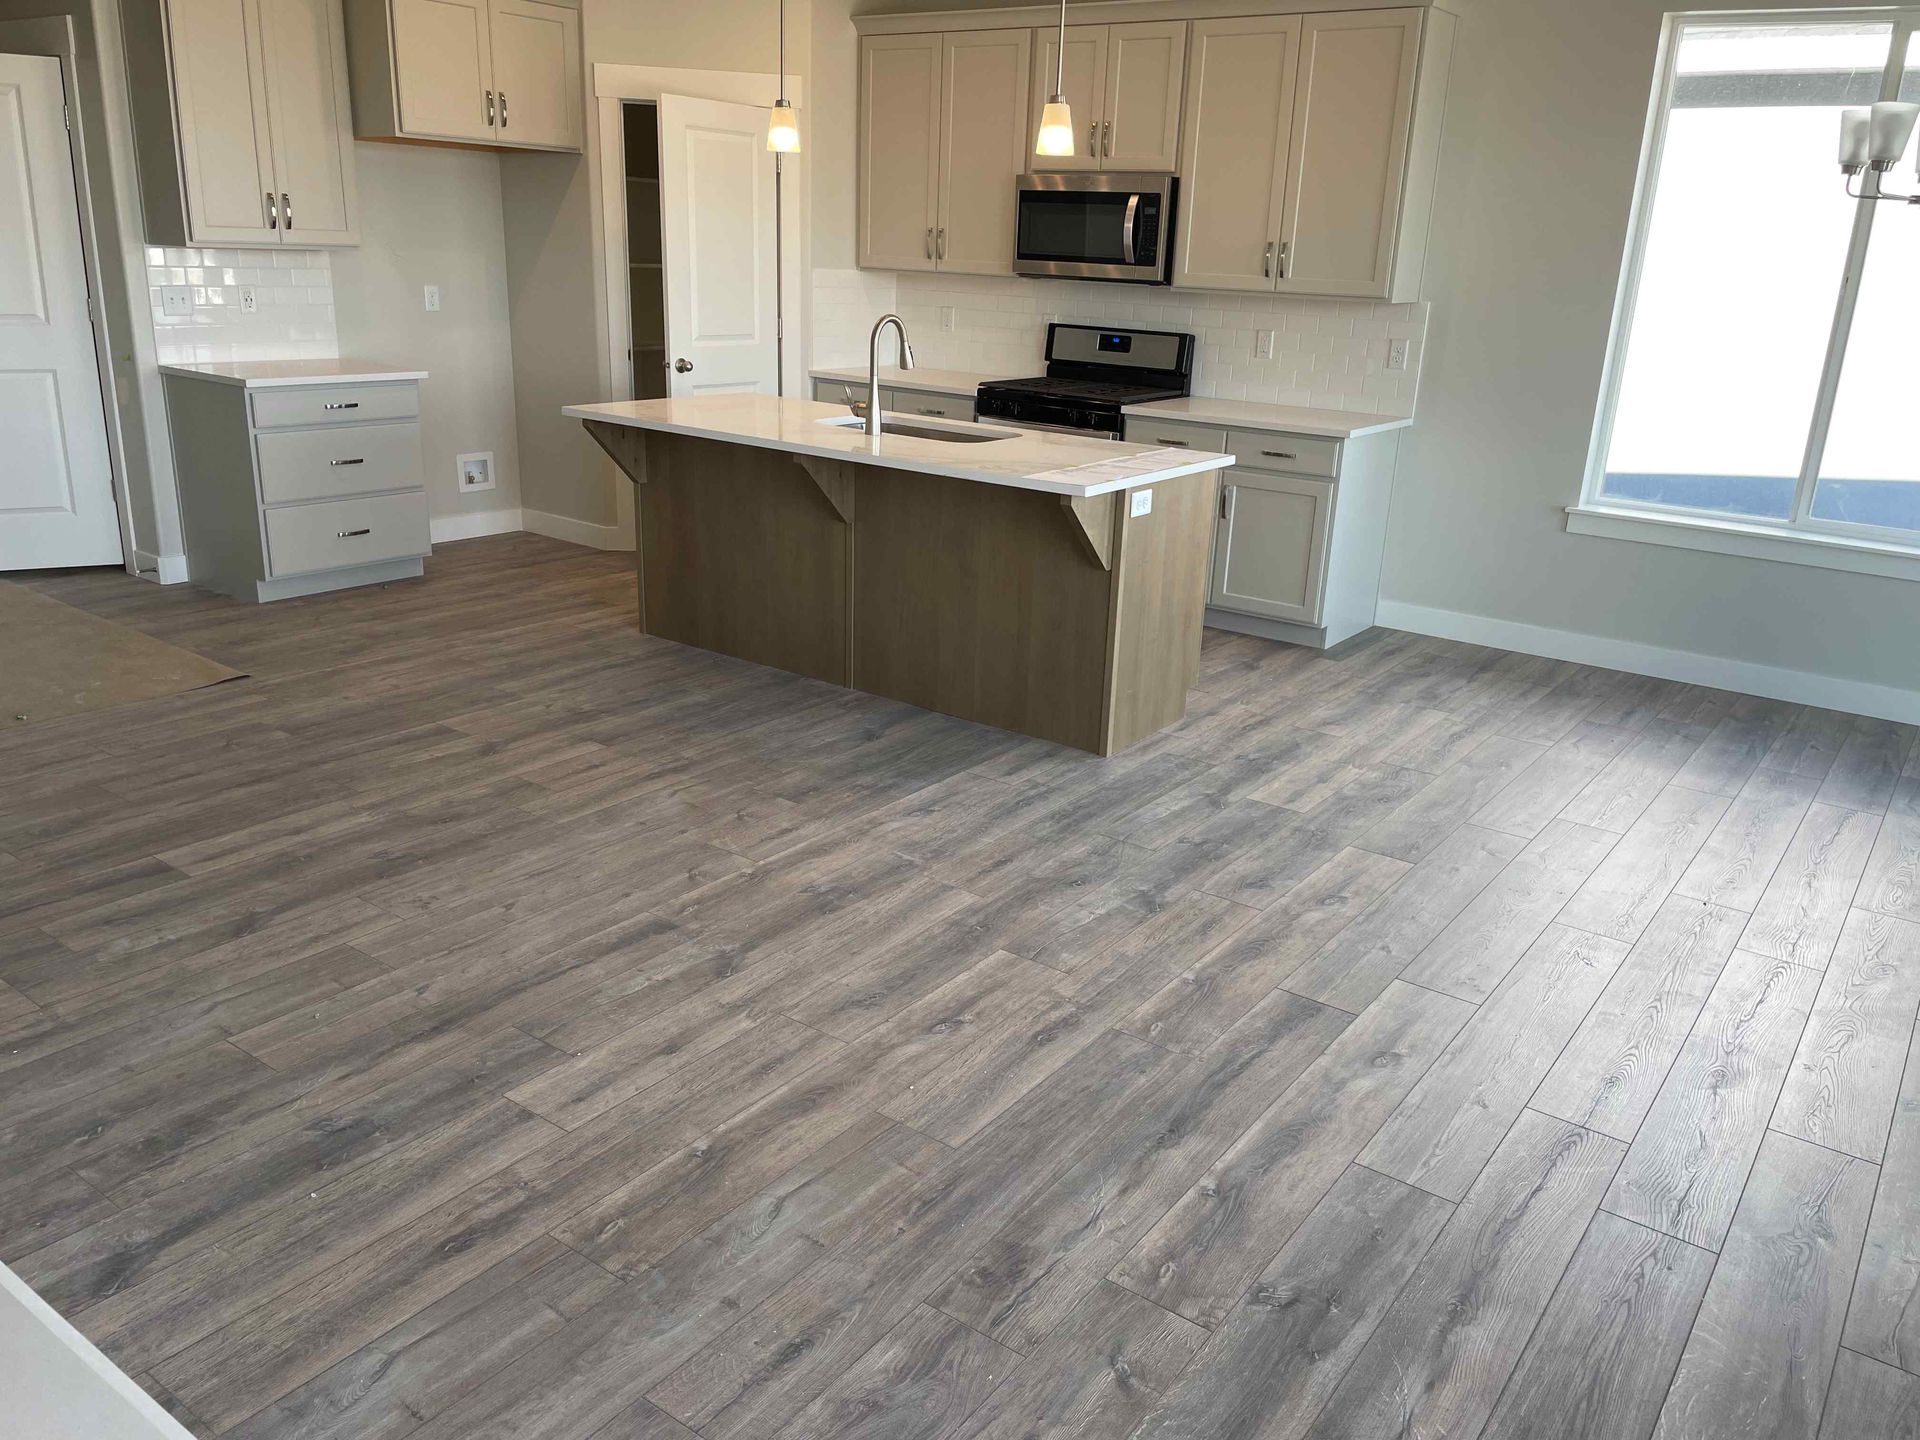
x: 1142, y: 503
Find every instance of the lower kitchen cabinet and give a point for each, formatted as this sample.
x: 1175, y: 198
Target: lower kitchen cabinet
x: 298, y: 488
x: 1270, y: 550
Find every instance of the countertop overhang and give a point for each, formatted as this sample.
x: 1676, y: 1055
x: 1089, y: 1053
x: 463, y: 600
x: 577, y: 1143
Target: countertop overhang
x: 271, y: 374
x: 1073, y: 466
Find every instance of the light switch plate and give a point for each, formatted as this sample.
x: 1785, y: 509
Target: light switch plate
x: 946, y: 317
x: 176, y: 300
x: 1139, y: 502
x: 1263, y: 344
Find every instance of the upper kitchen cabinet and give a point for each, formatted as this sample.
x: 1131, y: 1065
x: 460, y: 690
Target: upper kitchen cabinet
x: 241, y: 119
x: 1310, y: 151
x: 501, y: 73
x: 942, y: 138
x: 1123, y: 83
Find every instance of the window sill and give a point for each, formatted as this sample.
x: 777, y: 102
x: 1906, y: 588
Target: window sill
x: 1755, y: 542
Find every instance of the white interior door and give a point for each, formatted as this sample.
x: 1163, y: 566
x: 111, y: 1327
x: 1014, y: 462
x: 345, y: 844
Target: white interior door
x: 56, y: 482
x: 720, y: 248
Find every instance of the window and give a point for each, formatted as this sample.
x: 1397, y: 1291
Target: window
x: 1765, y: 368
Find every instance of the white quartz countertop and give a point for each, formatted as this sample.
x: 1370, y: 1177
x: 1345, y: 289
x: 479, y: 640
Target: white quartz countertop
x: 1248, y: 415
x: 1072, y: 465
x: 265, y: 374
x: 934, y: 382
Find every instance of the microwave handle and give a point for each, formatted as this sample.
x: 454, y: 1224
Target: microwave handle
x: 1128, y: 226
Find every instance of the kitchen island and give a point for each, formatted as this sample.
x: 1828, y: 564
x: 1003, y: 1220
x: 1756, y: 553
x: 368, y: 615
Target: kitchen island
x: 1050, y: 584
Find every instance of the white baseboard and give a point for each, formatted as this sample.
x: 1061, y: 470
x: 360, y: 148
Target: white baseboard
x: 161, y: 569
x: 1799, y: 687
x: 471, y: 524
x: 578, y: 532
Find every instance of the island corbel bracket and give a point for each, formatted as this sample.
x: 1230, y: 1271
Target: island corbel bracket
x: 626, y: 446
x: 1092, y: 520
x: 836, y: 481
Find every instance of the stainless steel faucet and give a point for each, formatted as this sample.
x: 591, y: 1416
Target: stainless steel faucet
x: 872, y: 416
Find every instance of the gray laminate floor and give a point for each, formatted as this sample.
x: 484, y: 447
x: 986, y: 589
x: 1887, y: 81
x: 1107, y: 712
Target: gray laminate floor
x: 490, y: 1024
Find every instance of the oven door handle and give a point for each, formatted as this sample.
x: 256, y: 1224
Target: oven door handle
x: 1128, y: 226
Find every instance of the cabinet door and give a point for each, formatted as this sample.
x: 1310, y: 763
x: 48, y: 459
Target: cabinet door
x: 983, y: 148
x: 1353, y: 113
x: 536, y: 74
x: 1233, y: 151
x: 1084, y: 82
x: 306, y: 63
x: 1270, y: 555
x: 1146, y: 70
x: 899, y: 151
x: 220, y: 95
x: 443, y: 61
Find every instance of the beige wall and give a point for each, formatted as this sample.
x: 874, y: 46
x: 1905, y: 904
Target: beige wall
x: 433, y: 216
x: 1542, y: 146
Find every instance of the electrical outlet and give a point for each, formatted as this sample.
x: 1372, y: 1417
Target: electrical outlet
x: 1397, y: 354
x: 475, y: 471
x: 1263, y: 344
x: 249, y: 300
x: 433, y: 297
x: 176, y: 300
x: 1139, y: 502
x: 946, y: 317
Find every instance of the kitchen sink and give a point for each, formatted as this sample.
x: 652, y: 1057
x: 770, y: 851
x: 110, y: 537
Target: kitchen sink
x: 955, y: 434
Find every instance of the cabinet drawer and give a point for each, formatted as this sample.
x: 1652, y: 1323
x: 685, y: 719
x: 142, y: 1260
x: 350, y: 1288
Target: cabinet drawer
x: 337, y: 533
x: 338, y: 460
x: 335, y: 405
x: 833, y: 392
x: 1143, y: 430
x: 1295, y: 454
x: 1270, y: 553
x: 920, y: 402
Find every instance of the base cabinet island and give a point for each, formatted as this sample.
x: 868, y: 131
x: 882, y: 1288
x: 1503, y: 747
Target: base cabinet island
x: 1049, y: 584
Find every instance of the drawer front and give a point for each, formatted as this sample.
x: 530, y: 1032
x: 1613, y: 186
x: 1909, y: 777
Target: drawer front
x: 335, y: 405
x: 337, y: 533
x: 1293, y: 454
x: 835, y: 392
x: 1144, y: 430
x: 921, y: 402
x: 338, y: 460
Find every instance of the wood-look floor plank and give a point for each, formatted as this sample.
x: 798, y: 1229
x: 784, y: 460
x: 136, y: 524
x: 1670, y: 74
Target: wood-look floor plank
x: 1864, y: 772
x: 1741, y: 854
x: 1730, y: 756
x: 1619, y: 795
x: 1608, y: 1074
x: 1688, y: 1163
x: 1868, y: 1398
x: 1883, y: 1319
x: 1547, y: 787
x: 1841, y: 1088
x: 1281, y: 1351
x: 1627, y: 889
x: 1444, y: 1132
x: 1198, y: 1260
x: 1416, y: 827
x: 920, y: 1383
x: 1600, y: 1361
x: 1762, y: 1350
x: 1891, y: 883
x: 1805, y: 903
x: 1440, y: 1358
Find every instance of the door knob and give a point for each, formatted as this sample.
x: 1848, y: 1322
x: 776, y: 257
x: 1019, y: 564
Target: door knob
x: 682, y: 366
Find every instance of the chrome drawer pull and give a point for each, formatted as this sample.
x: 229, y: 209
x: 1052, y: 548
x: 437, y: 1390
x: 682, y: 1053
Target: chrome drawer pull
x: 1182, y: 444
x: 1279, y: 454
x: 349, y: 534
x: 341, y: 405
x: 361, y: 461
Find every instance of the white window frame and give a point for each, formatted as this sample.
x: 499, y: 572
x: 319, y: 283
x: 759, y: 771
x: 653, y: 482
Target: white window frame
x: 1801, y: 538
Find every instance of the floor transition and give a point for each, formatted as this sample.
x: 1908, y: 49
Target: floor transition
x: 489, y: 1022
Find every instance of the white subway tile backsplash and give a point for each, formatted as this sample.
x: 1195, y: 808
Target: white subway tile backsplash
x: 1327, y: 353
x: 293, y: 294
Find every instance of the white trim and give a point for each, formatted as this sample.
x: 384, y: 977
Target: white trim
x: 161, y: 569
x: 1799, y: 687
x: 1689, y: 531
x: 650, y: 82
x: 471, y: 524
x: 58, y: 1384
x: 577, y: 532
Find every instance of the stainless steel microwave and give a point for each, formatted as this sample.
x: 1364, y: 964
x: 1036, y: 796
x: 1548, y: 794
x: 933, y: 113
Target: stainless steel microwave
x: 1095, y: 227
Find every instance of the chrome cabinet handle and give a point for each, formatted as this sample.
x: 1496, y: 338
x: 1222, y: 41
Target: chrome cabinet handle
x: 349, y: 534
x: 503, y: 109
x: 1226, y: 501
x: 273, y: 213
x: 1106, y: 139
x: 1279, y: 454
x: 286, y: 211
x: 491, y: 123
x: 940, y: 243
x: 929, y: 242
x: 341, y: 405
x: 1182, y: 444
x: 682, y: 366
x: 1285, y: 246
x: 1266, y: 263
x: 360, y: 461
x: 1093, y: 139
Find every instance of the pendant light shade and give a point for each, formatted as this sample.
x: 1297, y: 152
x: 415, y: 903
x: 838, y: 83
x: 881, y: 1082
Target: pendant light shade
x: 783, y: 126
x: 1056, y: 120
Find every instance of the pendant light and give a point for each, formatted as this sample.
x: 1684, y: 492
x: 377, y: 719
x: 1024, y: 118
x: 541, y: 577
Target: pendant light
x: 783, y: 128
x: 1056, y: 120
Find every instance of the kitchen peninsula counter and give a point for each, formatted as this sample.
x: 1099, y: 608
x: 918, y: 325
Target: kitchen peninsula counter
x: 1050, y: 584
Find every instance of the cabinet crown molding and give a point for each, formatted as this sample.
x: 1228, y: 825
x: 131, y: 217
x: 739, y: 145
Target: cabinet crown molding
x: 1111, y: 12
